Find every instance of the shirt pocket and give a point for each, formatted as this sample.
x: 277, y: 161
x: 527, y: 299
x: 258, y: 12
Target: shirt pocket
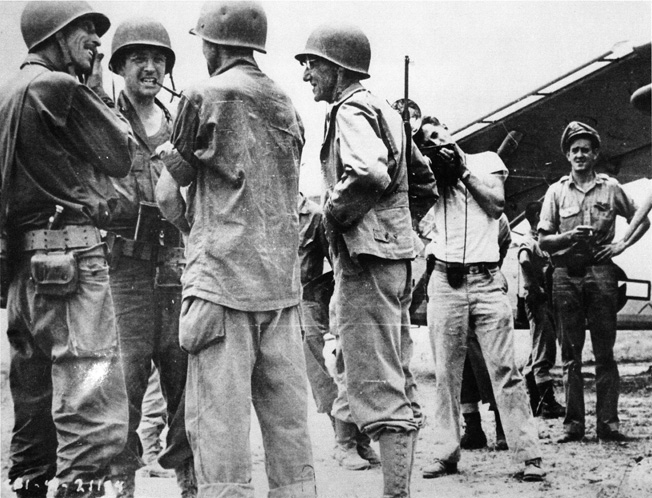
x: 601, y: 216
x: 201, y: 324
x: 569, y: 217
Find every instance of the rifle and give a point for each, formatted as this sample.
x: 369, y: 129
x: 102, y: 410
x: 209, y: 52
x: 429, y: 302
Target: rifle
x: 406, y: 111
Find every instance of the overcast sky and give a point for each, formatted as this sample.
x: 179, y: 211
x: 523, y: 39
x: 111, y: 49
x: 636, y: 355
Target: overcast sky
x: 469, y: 58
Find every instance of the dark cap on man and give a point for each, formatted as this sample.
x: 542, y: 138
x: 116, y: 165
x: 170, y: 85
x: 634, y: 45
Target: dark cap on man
x: 576, y: 130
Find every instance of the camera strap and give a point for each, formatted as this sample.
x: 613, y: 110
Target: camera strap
x: 455, y: 275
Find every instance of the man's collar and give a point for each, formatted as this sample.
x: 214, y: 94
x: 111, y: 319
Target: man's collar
x: 125, y: 105
x: 236, y: 61
x: 355, y: 87
x: 38, y: 60
x: 596, y: 179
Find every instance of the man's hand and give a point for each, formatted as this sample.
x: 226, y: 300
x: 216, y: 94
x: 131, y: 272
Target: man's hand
x: 458, y: 160
x: 581, y: 233
x: 535, y: 294
x: 448, y: 163
x: 330, y: 231
x: 164, y: 150
x: 94, y: 79
x: 183, y: 172
x: 609, y: 251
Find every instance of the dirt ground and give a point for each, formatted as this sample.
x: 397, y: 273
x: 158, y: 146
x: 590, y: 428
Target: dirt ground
x: 588, y: 469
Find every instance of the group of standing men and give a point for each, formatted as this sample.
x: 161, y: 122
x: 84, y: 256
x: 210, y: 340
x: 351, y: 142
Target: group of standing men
x: 101, y: 285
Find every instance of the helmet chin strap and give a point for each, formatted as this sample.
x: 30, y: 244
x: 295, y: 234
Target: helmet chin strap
x: 338, y: 87
x: 65, y: 53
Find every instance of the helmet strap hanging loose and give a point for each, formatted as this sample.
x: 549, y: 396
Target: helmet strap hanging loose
x: 65, y: 53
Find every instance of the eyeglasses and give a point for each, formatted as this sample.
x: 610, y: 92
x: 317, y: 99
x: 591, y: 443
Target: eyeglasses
x: 309, y: 63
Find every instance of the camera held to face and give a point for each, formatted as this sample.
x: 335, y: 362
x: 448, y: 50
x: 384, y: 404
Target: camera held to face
x: 445, y: 168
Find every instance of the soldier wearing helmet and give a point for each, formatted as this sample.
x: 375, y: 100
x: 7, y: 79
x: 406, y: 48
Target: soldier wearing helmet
x: 577, y: 228
x: 60, y: 147
x: 147, y: 257
x: 237, y: 143
x: 369, y: 229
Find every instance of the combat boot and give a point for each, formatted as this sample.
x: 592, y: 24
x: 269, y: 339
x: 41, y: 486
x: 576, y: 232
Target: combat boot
x: 550, y: 408
x: 346, y: 450
x: 474, y: 437
x: 152, y: 448
x: 187, y: 479
x: 396, y: 460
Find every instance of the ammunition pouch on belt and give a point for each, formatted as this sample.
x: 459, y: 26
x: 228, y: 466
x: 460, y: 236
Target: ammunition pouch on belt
x: 53, y: 266
x: 171, y: 263
x: 54, y: 273
x: 145, y: 251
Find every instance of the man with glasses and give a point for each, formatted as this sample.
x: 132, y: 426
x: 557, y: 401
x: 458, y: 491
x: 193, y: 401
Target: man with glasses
x: 371, y: 242
x: 147, y: 257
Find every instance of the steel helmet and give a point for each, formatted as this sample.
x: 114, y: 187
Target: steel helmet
x: 343, y: 44
x: 141, y: 31
x: 237, y: 24
x: 40, y: 20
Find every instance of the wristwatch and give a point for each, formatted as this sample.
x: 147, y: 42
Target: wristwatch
x: 465, y: 175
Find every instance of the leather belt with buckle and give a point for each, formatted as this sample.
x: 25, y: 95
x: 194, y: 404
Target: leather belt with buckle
x: 468, y: 268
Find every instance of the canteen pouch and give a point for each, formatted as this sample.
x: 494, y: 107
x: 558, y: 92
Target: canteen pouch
x: 54, y: 273
x: 168, y: 275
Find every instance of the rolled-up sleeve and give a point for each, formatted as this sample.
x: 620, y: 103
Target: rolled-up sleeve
x: 171, y: 202
x: 624, y: 204
x: 183, y: 163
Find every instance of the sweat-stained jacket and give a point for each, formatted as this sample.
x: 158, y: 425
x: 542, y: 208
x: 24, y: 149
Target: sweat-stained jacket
x: 240, y: 138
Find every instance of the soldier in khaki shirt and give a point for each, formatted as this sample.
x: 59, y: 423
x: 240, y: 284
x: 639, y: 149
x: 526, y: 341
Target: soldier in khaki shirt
x: 577, y: 227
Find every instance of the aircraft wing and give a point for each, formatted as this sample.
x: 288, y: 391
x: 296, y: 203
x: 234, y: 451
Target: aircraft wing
x: 598, y: 94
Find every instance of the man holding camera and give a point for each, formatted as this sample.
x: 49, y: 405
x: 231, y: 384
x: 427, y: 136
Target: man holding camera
x: 577, y: 228
x: 60, y: 144
x: 147, y: 257
x: 467, y: 290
